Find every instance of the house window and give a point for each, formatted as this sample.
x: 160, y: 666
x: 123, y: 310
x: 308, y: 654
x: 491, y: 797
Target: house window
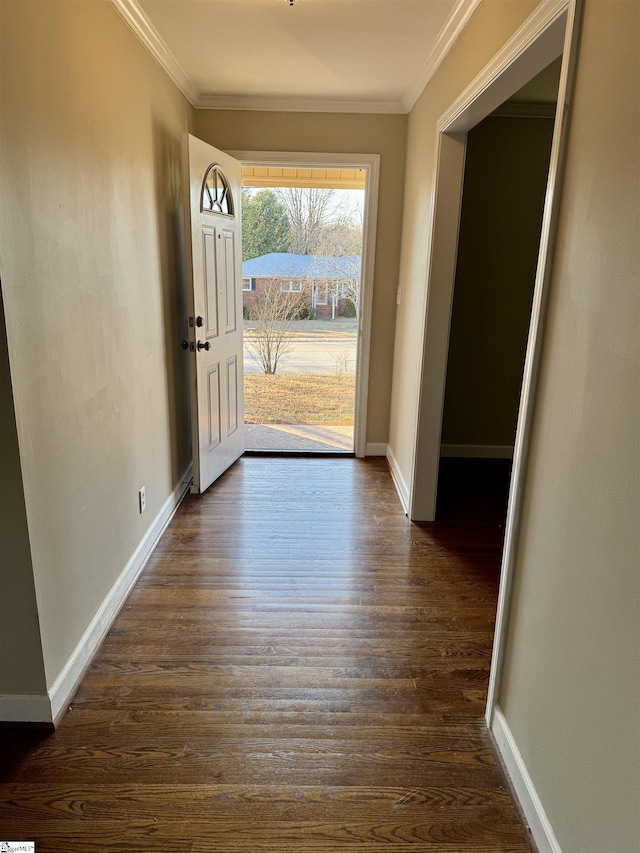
x: 292, y: 285
x: 248, y: 284
x: 216, y: 194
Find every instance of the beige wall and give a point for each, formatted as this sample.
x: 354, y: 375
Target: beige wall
x: 21, y: 665
x: 572, y: 676
x: 571, y: 687
x: 506, y: 169
x: 491, y: 25
x: 340, y: 133
x: 91, y: 277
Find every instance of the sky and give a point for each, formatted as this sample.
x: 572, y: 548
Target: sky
x: 352, y: 200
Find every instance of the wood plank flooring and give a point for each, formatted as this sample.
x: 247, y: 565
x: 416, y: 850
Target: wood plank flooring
x: 298, y: 669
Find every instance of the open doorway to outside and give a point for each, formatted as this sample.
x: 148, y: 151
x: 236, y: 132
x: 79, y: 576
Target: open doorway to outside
x: 302, y: 250
x: 308, y: 246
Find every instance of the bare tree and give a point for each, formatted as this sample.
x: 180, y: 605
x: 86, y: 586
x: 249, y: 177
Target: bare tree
x: 340, y: 243
x: 342, y: 237
x: 348, y: 287
x: 308, y: 210
x: 269, y: 342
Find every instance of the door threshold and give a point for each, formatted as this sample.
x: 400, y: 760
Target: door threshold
x: 317, y: 454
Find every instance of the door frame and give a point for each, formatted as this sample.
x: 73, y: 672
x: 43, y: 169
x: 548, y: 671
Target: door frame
x: 550, y: 31
x: 370, y: 163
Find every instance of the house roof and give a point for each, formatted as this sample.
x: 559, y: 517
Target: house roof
x: 286, y: 265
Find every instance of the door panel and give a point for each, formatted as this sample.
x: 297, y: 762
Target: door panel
x: 213, y: 377
x: 232, y: 396
x: 230, y: 280
x: 210, y: 282
x: 214, y: 290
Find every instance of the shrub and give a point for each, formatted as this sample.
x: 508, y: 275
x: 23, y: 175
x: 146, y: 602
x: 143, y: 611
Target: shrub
x: 349, y: 309
x: 306, y: 313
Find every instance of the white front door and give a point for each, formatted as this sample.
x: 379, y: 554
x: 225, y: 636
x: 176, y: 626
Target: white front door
x: 215, y: 307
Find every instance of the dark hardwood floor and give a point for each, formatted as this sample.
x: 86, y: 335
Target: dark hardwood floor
x: 298, y: 669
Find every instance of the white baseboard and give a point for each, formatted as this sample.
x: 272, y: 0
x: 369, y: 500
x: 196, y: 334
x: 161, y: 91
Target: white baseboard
x: 478, y: 451
x: 25, y: 709
x: 67, y: 682
x: 399, y: 481
x: 535, y: 815
x: 374, y: 448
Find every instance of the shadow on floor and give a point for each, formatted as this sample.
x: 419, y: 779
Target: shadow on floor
x: 477, y: 488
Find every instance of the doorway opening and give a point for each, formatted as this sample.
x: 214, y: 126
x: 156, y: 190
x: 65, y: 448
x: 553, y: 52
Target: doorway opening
x: 539, y: 42
x: 505, y: 180
x: 308, y: 252
x: 550, y: 32
x: 302, y: 258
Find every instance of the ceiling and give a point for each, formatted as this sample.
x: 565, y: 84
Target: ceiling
x: 296, y: 176
x: 326, y: 55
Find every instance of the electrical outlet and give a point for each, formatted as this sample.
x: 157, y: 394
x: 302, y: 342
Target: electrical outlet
x: 142, y: 497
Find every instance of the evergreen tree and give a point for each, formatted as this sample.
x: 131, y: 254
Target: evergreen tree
x: 265, y: 224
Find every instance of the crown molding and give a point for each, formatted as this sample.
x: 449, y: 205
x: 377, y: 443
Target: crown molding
x: 453, y: 26
x: 136, y: 18
x: 155, y: 44
x: 300, y: 105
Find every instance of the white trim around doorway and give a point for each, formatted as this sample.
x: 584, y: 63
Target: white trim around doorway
x: 371, y: 164
x: 552, y: 30
x: 569, y: 15
x: 537, y: 43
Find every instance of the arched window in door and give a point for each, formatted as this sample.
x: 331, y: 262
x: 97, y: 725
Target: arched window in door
x: 216, y: 192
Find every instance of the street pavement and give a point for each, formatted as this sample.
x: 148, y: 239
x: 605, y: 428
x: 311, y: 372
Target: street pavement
x: 317, y: 347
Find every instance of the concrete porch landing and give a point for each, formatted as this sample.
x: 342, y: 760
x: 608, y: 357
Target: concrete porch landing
x: 302, y: 437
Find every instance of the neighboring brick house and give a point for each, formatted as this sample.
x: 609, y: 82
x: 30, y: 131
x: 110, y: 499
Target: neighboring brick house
x: 324, y: 282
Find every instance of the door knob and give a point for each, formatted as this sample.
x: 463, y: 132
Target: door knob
x: 185, y: 344
x: 206, y: 345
